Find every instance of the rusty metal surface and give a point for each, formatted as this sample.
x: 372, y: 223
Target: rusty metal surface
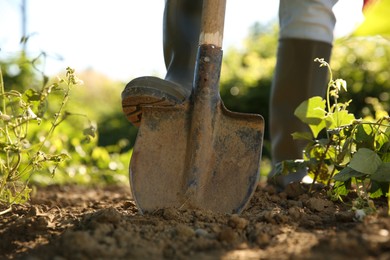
x: 199, y: 154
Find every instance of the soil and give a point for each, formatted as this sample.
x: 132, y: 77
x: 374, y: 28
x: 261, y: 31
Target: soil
x: 73, y: 222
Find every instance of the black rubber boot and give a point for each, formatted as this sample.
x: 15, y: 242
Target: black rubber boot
x: 297, y: 78
x: 181, y: 36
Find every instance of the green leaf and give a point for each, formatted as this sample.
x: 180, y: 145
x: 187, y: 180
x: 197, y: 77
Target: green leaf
x: 320, y: 172
x: 383, y: 140
x: 31, y: 95
x: 339, y: 118
x: 364, y: 135
x: 346, y: 174
x: 377, y: 193
x: 363, y: 132
x: 302, y: 136
x: 365, y: 161
x: 383, y: 143
x: 90, y: 131
x: 312, y: 113
x: 289, y: 166
x: 376, y: 190
x: 343, y: 156
x: 382, y: 174
x: 341, y: 188
x: 58, y: 157
x: 386, y: 157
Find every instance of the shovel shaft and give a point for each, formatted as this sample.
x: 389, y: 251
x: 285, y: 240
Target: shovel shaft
x: 223, y: 148
x: 205, y: 100
x: 213, y: 18
x: 205, y: 104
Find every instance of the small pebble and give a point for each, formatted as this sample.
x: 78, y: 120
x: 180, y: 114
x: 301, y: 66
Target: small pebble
x: 201, y: 232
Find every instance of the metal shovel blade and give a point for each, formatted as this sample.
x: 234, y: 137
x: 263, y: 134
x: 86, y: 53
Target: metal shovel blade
x: 199, y: 154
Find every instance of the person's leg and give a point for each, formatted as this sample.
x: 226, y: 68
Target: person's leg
x: 180, y: 40
x: 181, y: 37
x: 306, y: 33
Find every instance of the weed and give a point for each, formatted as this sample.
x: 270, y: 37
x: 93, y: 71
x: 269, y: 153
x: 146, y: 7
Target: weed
x: 344, y: 153
x: 23, y: 153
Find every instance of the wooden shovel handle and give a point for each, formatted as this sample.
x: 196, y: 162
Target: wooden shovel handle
x: 213, y: 18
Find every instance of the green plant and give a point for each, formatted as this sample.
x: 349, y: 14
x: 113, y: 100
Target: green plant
x: 24, y: 152
x: 344, y: 153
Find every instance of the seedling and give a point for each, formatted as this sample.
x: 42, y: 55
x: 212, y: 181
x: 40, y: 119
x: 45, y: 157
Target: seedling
x: 22, y: 152
x: 344, y: 153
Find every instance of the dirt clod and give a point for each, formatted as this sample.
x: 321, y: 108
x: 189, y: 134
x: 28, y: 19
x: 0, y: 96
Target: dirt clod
x: 185, y: 231
x: 237, y: 222
x: 227, y: 235
x: 318, y: 205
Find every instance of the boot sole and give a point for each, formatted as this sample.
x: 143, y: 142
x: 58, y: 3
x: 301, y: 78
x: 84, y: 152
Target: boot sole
x: 149, y: 91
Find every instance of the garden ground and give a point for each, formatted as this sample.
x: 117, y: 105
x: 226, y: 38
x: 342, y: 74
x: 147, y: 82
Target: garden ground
x: 75, y: 222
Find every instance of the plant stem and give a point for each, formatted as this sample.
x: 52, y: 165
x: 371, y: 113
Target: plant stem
x: 331, y: 176
x: 330, y: 84
x: 319, y: 166
x: 328, y: 93
x: 2, y: 91
x: 5, y: 171
x: 388, y: 201
x: 55, y: 123
x: 5, y: 211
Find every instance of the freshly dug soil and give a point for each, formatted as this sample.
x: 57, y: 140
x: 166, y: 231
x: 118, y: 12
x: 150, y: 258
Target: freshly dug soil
x: 73, y: 222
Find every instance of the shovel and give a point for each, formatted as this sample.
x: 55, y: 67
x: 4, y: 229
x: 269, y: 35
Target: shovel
x: 198, y: 155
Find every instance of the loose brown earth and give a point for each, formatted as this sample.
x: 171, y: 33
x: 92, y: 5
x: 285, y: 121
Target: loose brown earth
x: 75, y: 222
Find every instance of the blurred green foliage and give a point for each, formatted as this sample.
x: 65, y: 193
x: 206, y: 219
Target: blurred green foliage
x: 247, y: 73
x: 364, y: 63
x: 19, y: 73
